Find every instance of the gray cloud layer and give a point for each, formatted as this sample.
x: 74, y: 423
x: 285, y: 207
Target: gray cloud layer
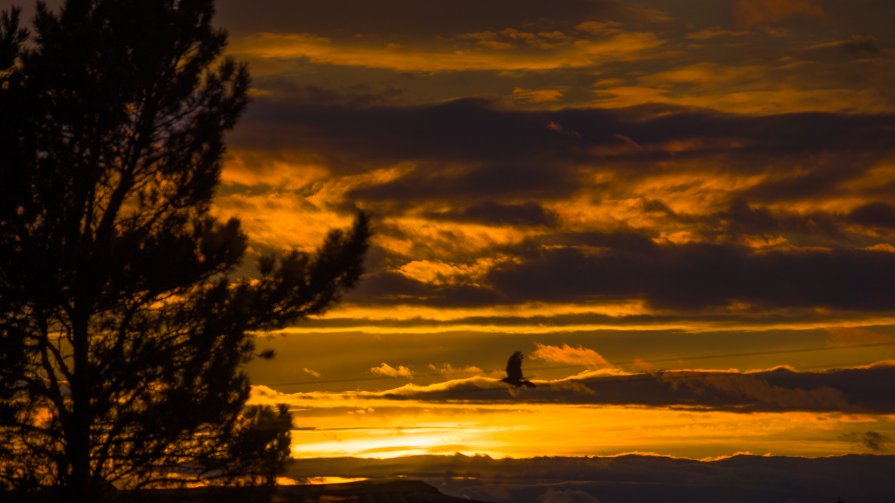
x: 859, y: 390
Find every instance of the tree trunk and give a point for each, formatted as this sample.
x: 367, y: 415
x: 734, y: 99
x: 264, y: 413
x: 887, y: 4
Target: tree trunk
x: 79, y: 487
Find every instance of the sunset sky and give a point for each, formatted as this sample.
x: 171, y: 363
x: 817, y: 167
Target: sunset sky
x: 616, y: 188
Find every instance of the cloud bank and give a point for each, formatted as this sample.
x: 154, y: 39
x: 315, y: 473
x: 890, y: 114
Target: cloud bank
x: 856, y: 390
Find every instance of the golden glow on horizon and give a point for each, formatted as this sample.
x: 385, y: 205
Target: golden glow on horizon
x: 333, y: 424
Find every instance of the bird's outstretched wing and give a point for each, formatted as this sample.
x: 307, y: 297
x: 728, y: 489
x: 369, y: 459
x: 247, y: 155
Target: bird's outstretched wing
x: 514, y: 367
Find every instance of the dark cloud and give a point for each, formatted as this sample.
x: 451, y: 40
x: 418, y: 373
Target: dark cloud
x: 468, y: 131
x: 473, y: 148
x: 403, y: 18
x: 407, y: 19
x: 480, y: 130
x: 875, y: 214
x: 867, y: 44
x: 824, y: 177
x: 626, y: 240
x: 499, y: 166
x: 860, y: 390
x: 656, y: 206
x: 873, y: 441
x: 439, y: 182
x: 742, y: 219
x: 489, y: 212
x: 352, y: 97
x: 700, y: 275
x: 387, y: 287
x: 779, y: 134
x: 563, y: 266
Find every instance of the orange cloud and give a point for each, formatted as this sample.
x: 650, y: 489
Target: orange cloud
x: 714, y: 32
x: 489, y: 39
x: 549, y: 52
x: 279, y: 220
x: 705, y: 74
x: 394, y: 312
x: 258, y: 168
x: 574, y: 355
x: 597, y: 27
x: 387, y: 370
x: 746, y: 89
x: 286, y: 203
x: 537, y: 95
x: 847, y: 336
x: 447, y: 369
x: 440, y: 273
x: 499, y: 327
x: 512, y: 37
x: 424, y: 237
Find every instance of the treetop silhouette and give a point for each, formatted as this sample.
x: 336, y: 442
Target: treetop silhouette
x: 123, y: 333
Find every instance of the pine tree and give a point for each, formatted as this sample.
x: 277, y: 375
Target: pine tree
x: 123, y: 331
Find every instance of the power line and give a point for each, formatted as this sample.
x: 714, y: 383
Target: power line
x: 657, y: 376
x: 628, y: 362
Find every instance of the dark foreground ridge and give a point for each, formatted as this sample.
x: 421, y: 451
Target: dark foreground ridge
x: 631, y: 478
x: 374, y: 491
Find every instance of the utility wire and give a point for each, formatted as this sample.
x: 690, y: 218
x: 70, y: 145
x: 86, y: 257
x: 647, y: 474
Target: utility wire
x: 684, y: 375
x: 628, y: 362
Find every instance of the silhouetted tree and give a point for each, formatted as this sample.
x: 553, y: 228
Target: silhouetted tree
x: 266, y: 430
x: 123, y: 332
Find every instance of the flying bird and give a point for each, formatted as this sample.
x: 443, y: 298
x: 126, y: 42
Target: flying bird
x: 514, y: 371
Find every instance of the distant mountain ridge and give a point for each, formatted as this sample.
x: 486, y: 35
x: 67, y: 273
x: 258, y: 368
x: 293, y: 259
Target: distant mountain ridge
x: 631, y: 478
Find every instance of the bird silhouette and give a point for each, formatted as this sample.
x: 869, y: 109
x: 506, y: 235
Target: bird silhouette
x: 514, y: 371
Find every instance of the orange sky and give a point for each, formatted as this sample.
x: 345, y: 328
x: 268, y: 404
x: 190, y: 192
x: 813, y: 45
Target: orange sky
x: 613, y: 186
